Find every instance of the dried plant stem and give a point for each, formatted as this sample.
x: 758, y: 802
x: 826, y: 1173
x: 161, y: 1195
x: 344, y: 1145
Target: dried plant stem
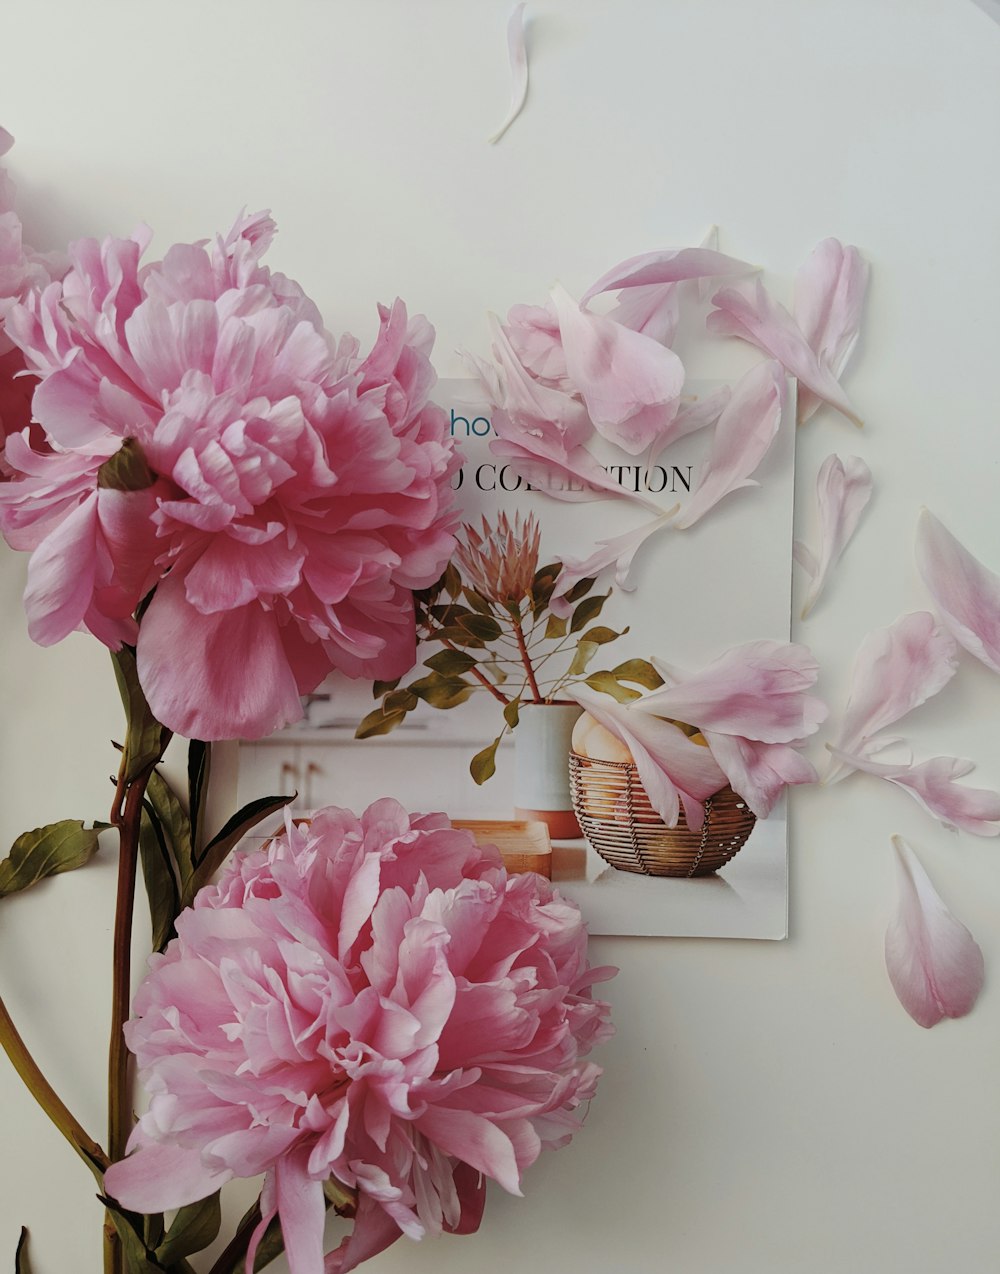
x: 526, y: 660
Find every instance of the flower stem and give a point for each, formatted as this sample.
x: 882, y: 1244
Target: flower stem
x: 479, y: 676
x: 526, y: 660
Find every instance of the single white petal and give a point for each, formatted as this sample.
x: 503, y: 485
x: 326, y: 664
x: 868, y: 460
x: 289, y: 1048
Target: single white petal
x: 843, y: 489
x: 517, y: 48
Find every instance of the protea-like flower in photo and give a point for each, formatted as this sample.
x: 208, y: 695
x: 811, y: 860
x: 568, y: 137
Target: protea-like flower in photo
x: 501, y: 563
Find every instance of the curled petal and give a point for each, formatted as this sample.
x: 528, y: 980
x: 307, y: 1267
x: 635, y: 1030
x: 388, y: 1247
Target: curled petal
x: 374, y: 1230
x: 843, y: 489
x: 829, y: 297
x: 934, y: 964
x: 671, y: 265
x: 671, y: 768
x: 754, y: 316
x: 747, y: 426
x: 755, y: 691
x: 630, y: 384
x: 518, y: 51
x: 618, y: 551
x: 932, y: 784
x: 964, y: 591
x: 759, y: 772
x: 895, y: 670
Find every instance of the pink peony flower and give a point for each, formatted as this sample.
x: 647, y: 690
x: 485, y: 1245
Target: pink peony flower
x: 371, y: 1000
x: 283, y: 494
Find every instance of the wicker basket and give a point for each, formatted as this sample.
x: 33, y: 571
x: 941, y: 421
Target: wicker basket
x: 618, y: 820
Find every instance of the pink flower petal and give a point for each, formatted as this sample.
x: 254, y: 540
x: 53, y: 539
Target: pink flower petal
x: 934, y: 964
x: 754, y: 316
x: 759, y: 772
x: 895, y: 670
x: 671, y: 767
x: 829, y: 297
x: 374, y: 1230
x: 843, y: 489
x: 302, y: 1211
x: 618, y: 551
x: 154, y: 1177
x: 629, y: 383
x: 756, y: 690
x: 670, y: 265
x: 964, y: 591
x: 748, y: 425
x: 518, y: 50
x: 932, y: 784
x: 654, y: 310
x: 61, y: 575
x: 6, y: 141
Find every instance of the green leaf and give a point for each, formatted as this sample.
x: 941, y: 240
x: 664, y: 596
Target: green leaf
x: 602, y: 635
x: 555, y: 627
x: 138, y: 1258
x: 639, y: 671
x: 485, y: 627
x: 585, y: 651
x: 588, y: 610
x: 451, y: 581
x: 378, y: 722
x: 581, y: 588
x: 477, y: 602
x: 379, y: 688
x: 484, y: 764
x: 174, y: 821
x: 21, y: 1265
x: 127, y: 470
x: 511, y: 712
x: 450, y: 663
x: 193, y: 1229
x: 217, y: 849
x: 607, y: 684
x: 146, y: 740
x: 158, y: 877
x: 47, y: 851
x: 542, y: 586
x: 442, y: 692
x: 460, y: 637
x: 399, y: 701
x: 199, y: 768
x: 343, y: 1198
x: 452, y: 613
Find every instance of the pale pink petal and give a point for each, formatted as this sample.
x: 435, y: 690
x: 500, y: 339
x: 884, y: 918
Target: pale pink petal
x: 374, y: 1230
x: 155, y: 1177
x: 843, y: 489
x: 756, y: 690
x: 964, y: 591
x: 618, y: 551
x: 932, y: 783
x: 654, y: 310
x: 268, y: 1211
x: 630, y: 383
x: 302, y: 1211
x: 759, y: 772
x: 934, y: 964
x: 752, y: 315
x: 518, y: 51
x: 670, y: 766
x: 6, y: 141
x: 748, y: 425
x: 671, y: 265
x: 829, y: 296
x: 61, y: 575
x: 895, y: 670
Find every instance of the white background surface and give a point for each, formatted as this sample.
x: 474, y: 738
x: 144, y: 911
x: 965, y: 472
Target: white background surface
x: 766, y: 1106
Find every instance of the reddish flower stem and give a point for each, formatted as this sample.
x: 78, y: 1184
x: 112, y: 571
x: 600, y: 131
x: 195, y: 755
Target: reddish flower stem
x: 526, y: 660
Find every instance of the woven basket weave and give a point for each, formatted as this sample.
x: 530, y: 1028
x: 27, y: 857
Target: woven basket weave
x: 618, y: 820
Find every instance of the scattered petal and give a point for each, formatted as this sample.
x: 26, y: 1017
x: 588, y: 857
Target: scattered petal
x: 753, y: 316
x: 934, y: 964
x: 895, y: 670
x: 6, y: 141
x: 965, y: 592
x: 932, y: 784
x: 829, y: 297
x: 747, y: 426
x: 843, y: 489
x: 618, y: 551
x: 759, y: 772
x: 672, y: 265
x: 630, y: 383
x: 518, y: 50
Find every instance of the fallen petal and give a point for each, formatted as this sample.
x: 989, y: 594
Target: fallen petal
x: 668, y: 266
x: 518, y: 50
x: 829, y: 297
x: 754, y: 316
x: 895, y: 670
x: 618, y: 551
x: 843, y: 489
x: 934, y: 964
x: 965, y: 592
x: 746, y: 428
x: 932, y: 784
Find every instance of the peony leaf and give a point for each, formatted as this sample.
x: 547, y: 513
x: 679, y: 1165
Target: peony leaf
x: 639, y: 671
x: 218, y: 848
x: 173, y: 820
x: 198, y: 767
x: 483, y: 765
x: 965, y: 592
x: 138, y: 1258
x: 934, y: 964
x: 158, y: 877
x: 192, y: 1229
x: 47, y: 851
x: 146, y: 740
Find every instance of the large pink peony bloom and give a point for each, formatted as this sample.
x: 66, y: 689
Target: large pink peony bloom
x: 207, y: 437
x: 370, y: 999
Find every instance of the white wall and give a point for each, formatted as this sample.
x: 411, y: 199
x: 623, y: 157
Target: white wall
x: 766, y: 1107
